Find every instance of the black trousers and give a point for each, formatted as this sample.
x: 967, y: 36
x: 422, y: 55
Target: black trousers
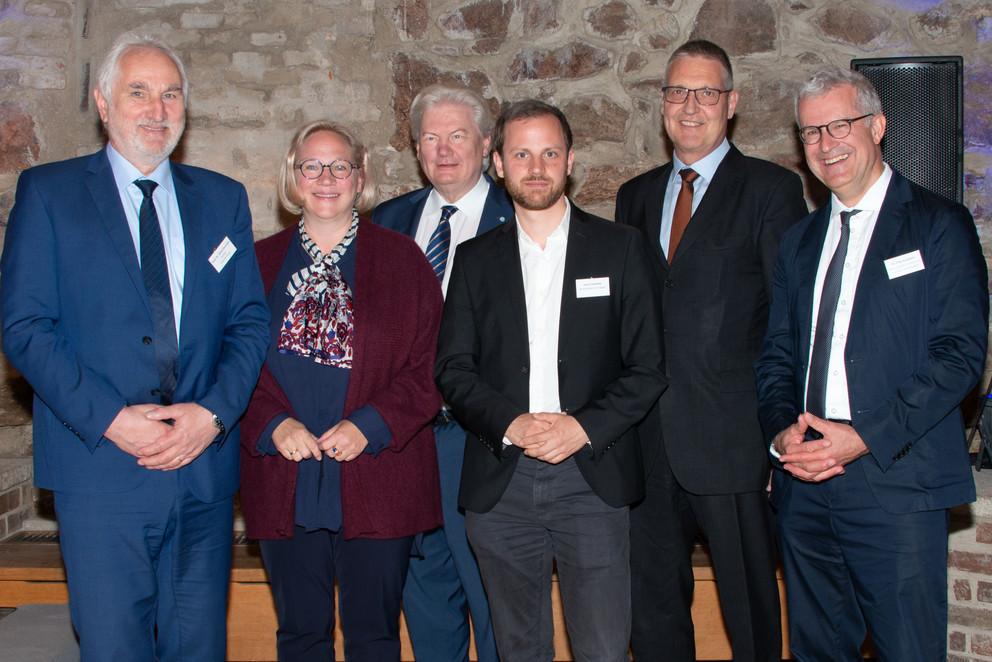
x: 370, y: 576
x: 663, y: 531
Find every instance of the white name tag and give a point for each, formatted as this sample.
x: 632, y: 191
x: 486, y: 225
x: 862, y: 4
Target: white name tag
x: 586, y: 288
x: 221, y: 254
x: 902, y: 265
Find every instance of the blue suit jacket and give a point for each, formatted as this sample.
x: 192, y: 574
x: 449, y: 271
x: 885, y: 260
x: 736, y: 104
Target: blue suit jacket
x: 915, y: 347
x: 75, y: 319
x: 403, y: 213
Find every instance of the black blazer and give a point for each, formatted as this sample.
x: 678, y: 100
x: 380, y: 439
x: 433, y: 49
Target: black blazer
x: 915, y: 347
x: 610, y: 364
x: 716, y: 296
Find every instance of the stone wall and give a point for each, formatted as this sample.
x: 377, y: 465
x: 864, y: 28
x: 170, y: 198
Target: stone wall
x: 261, y: 68
x: 969, y: 577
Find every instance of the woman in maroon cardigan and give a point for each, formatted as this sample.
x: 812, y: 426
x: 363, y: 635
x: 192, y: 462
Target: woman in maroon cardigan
x: 338, y: 460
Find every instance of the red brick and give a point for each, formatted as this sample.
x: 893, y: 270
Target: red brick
x: 981, y: 644
x: 985, y: 591
x: 962, y: 589
x: 970, y: 561
x: 958, y: 658
x: 956, y: 641
x: 983, y: 533
x: 969, y: 617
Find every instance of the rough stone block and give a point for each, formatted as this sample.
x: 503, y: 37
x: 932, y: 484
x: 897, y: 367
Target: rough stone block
x: 596, y: 118
x: 984, y: 594
x: 411, y: 18
x: 983, y: 533
x: 268, y: 39
x: 969, y: 617
x: 485, y: 21
x: 199, y: 20
x: 540, y: 16
x: 981, y: 644
x: 47, y: 9
x: 613, y: 20
x: 19, y: 146
x: 722, y: 21
x: 36, y: 71
x: 956, y: 641
x: 962, y: 590
x: 601, y: 183
x: 851, y: 25
x: 573, y: 60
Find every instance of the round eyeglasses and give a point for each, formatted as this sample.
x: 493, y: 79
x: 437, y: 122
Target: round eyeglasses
x: 705, y: 96
x: 313, y: 168
x: 810, y: 135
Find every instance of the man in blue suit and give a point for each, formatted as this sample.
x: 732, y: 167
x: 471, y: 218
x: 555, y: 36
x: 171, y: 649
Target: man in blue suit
x: 877, y: 332
x: 451, y: 129
x: 131, y: 302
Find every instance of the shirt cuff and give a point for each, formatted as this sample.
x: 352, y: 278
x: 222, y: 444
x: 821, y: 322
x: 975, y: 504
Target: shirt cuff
x: 774, y: 453
x: 265, y: 445
x: 368, y: 420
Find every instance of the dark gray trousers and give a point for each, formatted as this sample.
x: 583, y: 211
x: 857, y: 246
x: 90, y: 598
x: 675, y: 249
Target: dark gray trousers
x: 547, y: 515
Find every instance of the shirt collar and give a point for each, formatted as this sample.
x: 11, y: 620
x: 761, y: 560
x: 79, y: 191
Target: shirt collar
x: 476, y: 197
x: 706, y: 166
x: 125, y: 173
x: 873, y: 198
x: 558, y: 235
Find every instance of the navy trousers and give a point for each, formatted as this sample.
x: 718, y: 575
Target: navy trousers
x: 153, y: 559
x: 370, y: 576
x: 443, y: 584
x: 851, y: 567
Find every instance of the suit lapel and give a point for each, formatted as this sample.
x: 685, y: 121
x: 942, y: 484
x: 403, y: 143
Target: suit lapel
x: 579, y: 252
x: 807, y: 262
x: 190, y: 211
x: 511, y: 288
x: 497, y: 210
x: 654, y: 193
x: 103, y: 189
x: 412, y: 220
x: 726, y: 181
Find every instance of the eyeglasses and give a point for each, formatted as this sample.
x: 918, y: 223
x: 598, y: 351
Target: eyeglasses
x: 313, y: 168
x: 810, y: 135
x: 705, y: 96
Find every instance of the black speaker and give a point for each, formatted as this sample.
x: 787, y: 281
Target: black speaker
x: 922, y: 102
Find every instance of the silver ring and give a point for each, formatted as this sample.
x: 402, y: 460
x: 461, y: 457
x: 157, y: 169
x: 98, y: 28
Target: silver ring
x: 293, y: 452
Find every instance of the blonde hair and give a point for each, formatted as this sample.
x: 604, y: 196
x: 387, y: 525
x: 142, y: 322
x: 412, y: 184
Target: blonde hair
x: 289, y: 194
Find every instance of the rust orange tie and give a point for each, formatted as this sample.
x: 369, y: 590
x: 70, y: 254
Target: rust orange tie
x: 683, y: 210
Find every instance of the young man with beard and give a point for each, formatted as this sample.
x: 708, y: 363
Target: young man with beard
x: 550, y: 353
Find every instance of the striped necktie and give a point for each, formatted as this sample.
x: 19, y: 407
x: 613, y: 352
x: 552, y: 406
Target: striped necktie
x: 437, y: 247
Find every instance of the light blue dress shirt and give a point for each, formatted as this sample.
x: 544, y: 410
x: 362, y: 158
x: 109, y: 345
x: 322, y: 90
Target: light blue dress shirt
x: 705, y: 168
x: 167, y: 208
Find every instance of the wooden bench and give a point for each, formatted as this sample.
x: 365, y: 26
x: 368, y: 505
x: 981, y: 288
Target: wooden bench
x: 31, y: 572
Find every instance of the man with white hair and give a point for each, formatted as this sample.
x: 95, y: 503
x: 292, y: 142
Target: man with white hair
x: 451, y: 129
x: 131, y: 302
x: 877, y: 332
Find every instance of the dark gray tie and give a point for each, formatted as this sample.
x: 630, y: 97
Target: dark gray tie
x: 819, y: 363
x: 155, y: 273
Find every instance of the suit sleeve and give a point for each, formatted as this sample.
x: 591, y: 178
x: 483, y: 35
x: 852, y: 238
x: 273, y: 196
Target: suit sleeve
x: 482, y: 409
x: 34, y: 337
x: 783, y: 207
x: 246, y: 334
x: 627, y: 399
x: 958, y: 310
x: 776, y: 365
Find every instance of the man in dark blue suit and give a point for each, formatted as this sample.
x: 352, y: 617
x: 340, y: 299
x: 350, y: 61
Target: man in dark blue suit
x: 451, y: 128
x: 131, y: 302
x: 877, y: 332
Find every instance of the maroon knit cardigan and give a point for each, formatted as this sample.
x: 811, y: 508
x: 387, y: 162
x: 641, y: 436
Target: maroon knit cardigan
x: 397, y: 313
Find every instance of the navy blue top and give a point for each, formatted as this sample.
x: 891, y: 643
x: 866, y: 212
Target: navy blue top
x: 317, y: 393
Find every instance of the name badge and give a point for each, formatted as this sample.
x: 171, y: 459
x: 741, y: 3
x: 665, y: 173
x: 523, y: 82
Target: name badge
x: 586, y: 288
x: 902, y: 265
x: 222, y: 254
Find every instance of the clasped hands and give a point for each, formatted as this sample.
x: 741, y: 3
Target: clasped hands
x: 547, y: 436
x: 342, y: 442
x: 821, y: 459
x: 142, y: 431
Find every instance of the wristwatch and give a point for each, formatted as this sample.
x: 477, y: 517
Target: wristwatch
x: 219, y: 424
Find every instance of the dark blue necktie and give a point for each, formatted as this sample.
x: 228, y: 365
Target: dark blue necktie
x: 819, y: 363
x: 155, y: 273
x: 437, y: 247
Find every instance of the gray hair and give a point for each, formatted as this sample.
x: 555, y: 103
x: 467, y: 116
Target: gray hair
x: 436, y: 94
x: 827, y: 80
x: 126, y: 43
x: 708, y: 50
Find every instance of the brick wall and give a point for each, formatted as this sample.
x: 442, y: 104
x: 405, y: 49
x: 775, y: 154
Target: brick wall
x: 969, y: 580
x: 16, y: 495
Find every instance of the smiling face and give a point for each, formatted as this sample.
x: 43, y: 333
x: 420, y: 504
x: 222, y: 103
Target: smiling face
x: 450, y: 149
x: 534, y: 163
x: 145, y: 114
x: 327, y: 200
x: 847, y: 166
x: 694, y: 129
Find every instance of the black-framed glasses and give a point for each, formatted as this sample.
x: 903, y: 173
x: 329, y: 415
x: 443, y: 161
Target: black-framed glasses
x: 810, y: 135
x: 705, y: 96
x: 314, y: 168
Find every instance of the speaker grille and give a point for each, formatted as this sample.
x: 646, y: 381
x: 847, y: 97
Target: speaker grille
x: 921, y: 98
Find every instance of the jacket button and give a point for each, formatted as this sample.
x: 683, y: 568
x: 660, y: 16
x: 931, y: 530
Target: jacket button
x: 669, y: 282
x: 523, y: 369
x: 146, y: 340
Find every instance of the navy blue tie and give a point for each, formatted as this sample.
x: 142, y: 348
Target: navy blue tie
x: 819, y: 363
x: 437, y: 247
x: 155, y: 273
